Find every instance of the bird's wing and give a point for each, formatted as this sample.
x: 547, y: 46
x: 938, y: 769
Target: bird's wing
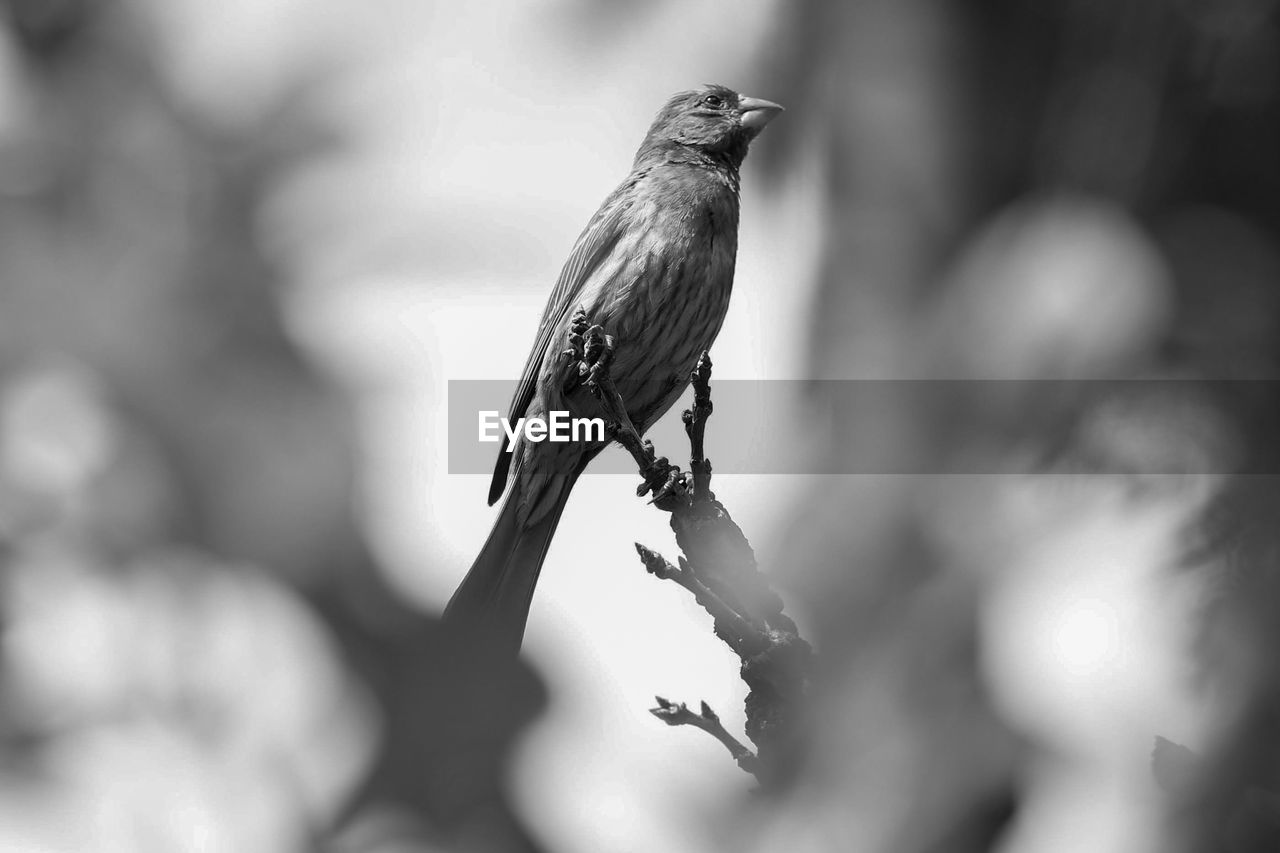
x: 593, y: 246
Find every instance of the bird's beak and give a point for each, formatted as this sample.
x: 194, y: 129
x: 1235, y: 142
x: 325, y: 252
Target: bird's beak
x: 756, y: 113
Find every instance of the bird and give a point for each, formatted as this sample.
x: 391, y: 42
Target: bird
x: 653, y: 268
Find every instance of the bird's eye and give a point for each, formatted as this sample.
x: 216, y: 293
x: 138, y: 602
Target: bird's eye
x: 713, y: 101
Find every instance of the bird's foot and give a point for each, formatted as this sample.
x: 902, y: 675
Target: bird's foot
x: 594, y: 368
x: 585, y: 364
x: 666, y: 482
x: 572, y: 357
x: 586, y: 359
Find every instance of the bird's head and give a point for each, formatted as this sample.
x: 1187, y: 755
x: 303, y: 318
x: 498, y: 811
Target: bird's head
x: 711, y: 122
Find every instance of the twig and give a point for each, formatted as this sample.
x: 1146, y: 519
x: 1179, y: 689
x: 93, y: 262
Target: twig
x: 735, y: 629
x: 679, y: 715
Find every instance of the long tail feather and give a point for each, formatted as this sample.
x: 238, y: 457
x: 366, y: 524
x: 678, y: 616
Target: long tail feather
x: 494, y: 598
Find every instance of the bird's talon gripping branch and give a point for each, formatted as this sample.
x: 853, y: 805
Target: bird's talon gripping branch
x: 593, y: 352
x: 665, y: 481
x: 573, y: 359
x: 593, y: 347
x: 588, y: 356
x: 600, y: 367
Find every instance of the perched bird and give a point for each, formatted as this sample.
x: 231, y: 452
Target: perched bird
x: 654, y: 268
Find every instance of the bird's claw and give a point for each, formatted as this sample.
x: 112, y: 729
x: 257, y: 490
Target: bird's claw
x: 676, y: 486
x: 588, y: 355
x: 573, y: 354
x: 586, y: 363
x: 600, y: 357
x: 662, y: 479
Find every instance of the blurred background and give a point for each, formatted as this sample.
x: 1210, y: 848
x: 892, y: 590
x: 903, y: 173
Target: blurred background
x: 244, y: 247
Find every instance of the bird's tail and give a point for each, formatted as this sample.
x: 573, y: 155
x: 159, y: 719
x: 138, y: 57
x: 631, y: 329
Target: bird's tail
x: 493, y: 599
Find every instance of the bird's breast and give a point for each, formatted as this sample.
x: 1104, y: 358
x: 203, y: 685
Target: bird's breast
x: 672, y: 275
x: 663, y: 290
x: 664, y: 299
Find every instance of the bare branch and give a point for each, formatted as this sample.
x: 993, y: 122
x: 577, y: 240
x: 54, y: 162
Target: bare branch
x: 735, y: 629
x: 718, y: 567
x: 679, y: 715
x: 695, y: 426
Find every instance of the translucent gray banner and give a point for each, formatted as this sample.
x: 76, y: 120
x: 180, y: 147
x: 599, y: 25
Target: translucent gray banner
x: 1148, y: 427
